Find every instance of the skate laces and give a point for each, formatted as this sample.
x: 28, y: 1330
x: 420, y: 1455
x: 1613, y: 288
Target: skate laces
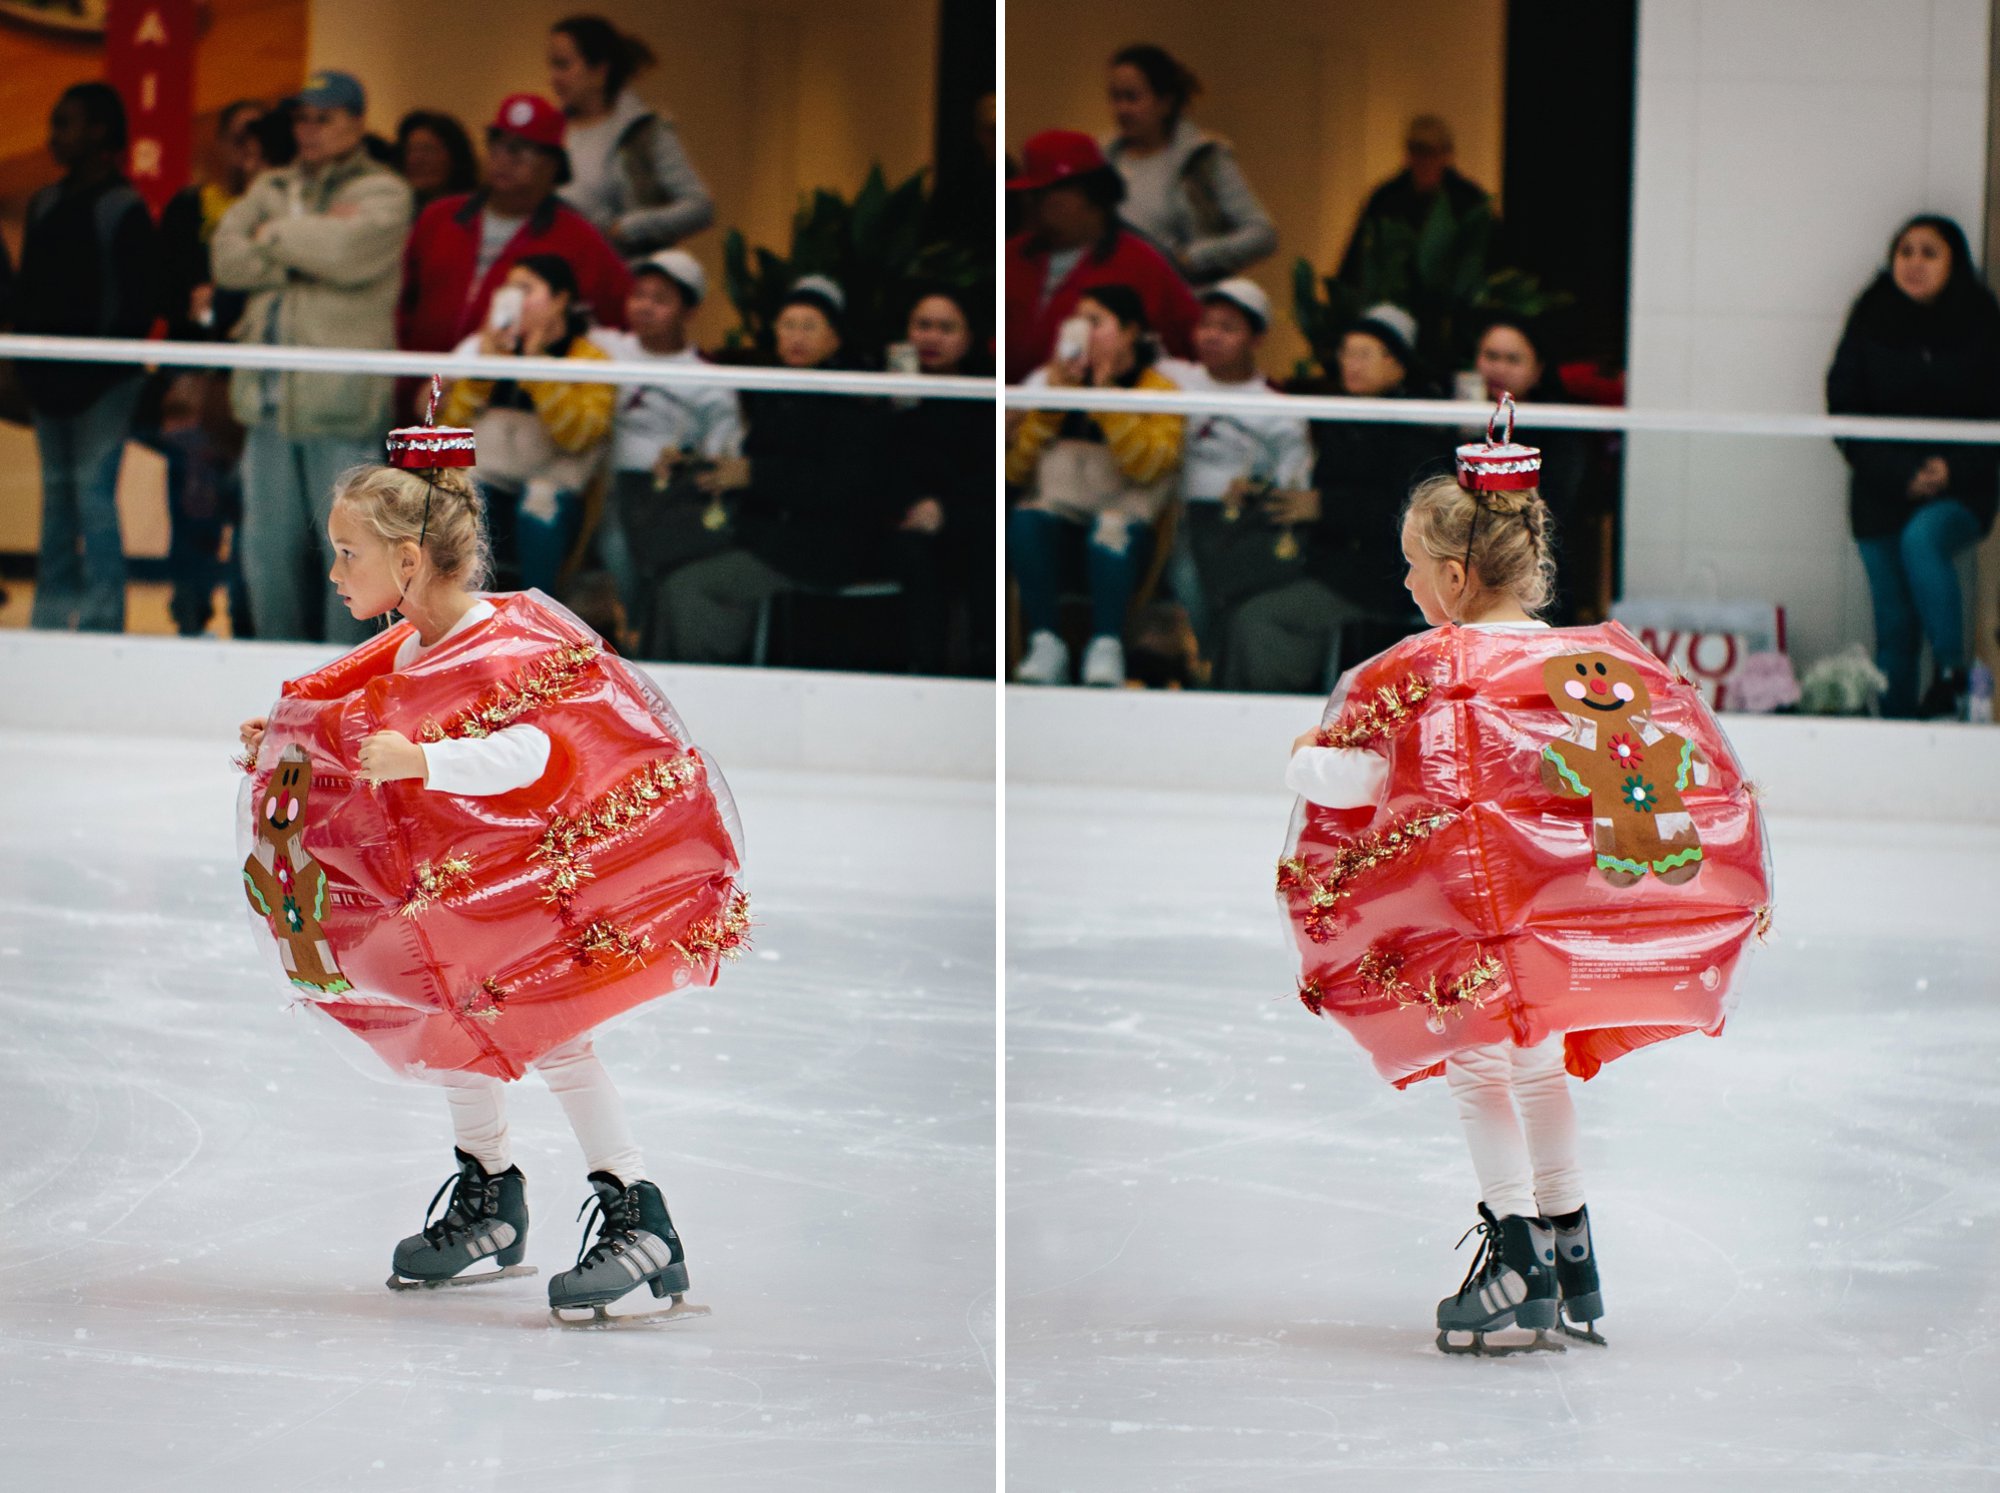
x: 468, y: 1202
x: 1489, y: 1238
x: 615, y: 1224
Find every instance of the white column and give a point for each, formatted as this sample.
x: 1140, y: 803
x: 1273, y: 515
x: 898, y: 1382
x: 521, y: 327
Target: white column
x: 1779, y: 145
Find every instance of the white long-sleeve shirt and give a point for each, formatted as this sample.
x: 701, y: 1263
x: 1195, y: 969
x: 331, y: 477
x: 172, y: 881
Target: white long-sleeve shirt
x: 510, y: 758
x: 1352, y: 777
x: 654, y: 417
x: 1216, y: 449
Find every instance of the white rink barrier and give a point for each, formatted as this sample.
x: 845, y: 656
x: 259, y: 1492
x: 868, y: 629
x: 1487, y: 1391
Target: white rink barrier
x: 791, y: 719
x: 1814, y: 767
x: 146, y: 353
x: 1470, y: 414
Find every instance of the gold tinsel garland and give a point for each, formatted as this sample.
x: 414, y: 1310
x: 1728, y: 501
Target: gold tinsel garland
x: 1384, y: 972
x: 1360, y: 725
x: 536, y: 687
x: 485, y: 1002
x: 1323, y: 885
x: 1312, y: 995
x: 724, y: 936
x: 247, y: 760
x: 1765, y: 915
x: 433, y: 881
x: 602, y: 941
x: 566, y: 844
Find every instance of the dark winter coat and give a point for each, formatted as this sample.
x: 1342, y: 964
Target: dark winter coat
x: 817, y: 504
x: 1398, y: 200
x: 1897, y: 357
x: 89, y: 268
x: 1364, y: 474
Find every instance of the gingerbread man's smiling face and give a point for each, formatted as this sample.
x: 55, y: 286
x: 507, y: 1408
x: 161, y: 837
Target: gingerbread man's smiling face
x: 284, y: 802
x: 1591, y: 686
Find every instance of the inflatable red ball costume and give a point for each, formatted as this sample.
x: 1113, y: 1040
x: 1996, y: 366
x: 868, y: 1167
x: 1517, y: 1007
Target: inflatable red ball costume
x: 1564, y: 843
x: 473, y: 935
x: 1472, y: 904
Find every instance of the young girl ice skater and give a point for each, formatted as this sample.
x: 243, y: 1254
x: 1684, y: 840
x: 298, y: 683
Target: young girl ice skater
x: 1441, y: 918
x: 473, y: 849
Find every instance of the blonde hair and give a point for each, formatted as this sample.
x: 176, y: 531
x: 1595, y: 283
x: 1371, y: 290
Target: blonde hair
x: 390, y: 501
x: 1512, y: 546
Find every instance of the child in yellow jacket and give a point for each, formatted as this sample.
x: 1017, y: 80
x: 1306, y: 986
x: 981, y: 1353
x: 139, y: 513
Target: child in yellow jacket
x: 541, y: 442
x: 1102, y: 477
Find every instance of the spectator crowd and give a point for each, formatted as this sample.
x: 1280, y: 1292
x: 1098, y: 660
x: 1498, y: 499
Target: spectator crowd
x: 1234, y: 549
x: 683, y: 520
x: 1253, y: 550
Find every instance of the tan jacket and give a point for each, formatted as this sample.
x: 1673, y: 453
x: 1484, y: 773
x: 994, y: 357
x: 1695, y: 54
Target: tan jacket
x: 327, y: 275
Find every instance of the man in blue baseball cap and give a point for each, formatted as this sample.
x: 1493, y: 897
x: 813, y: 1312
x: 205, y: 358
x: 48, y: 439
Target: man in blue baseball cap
x: 333, y: 90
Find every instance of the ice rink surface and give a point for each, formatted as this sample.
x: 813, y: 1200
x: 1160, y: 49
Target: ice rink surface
x: 199, y: 1193
x: 1227, y: 1236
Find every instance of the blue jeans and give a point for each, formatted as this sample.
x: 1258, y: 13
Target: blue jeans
x: 80, y: 577
x: 533, y: 544
x: 1915, y: 589
x: 1038, y: 543
x: 287, y: 499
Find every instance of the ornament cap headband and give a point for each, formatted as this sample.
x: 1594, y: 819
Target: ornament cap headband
x: 1499, y: 465
x: 425, y: 447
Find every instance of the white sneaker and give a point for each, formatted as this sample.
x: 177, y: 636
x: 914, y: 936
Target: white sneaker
x: 1104, y: 663
x: 1047, y: 661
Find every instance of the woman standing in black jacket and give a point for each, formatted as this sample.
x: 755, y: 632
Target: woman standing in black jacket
x: 1922, y: 341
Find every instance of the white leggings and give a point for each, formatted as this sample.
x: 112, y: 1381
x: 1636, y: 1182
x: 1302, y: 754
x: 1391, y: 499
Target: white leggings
x: 589, y: 1098
x: 1526, y: 1165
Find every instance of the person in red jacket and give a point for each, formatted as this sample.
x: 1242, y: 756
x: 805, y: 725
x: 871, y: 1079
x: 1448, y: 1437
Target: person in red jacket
x: 1075, y: 241
x: 463, y: 246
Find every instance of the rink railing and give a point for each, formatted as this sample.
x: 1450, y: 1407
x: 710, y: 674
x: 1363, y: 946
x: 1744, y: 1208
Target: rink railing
x: 1317, y: 407
x: 133, y: 351
x: 1459, y: 412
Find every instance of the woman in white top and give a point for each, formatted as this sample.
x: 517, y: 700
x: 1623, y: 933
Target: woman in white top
x: 628, y: 171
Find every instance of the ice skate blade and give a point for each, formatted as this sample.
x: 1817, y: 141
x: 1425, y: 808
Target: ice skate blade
x: 1585, y: 1334
x: 601, y: 1319
x: 1480, y: 1348
x: 397, y: 1283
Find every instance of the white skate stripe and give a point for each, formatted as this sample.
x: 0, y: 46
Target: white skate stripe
x: 633, y: 1267
x: 1508, y: 1291
x: 491, y: 1241
x: 655, y: 1249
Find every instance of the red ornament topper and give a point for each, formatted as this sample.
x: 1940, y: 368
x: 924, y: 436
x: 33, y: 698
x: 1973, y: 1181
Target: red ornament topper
x: 1529, y: 870
x: 472, y: 935
x: 430, y: 445
x: 1499, y: 465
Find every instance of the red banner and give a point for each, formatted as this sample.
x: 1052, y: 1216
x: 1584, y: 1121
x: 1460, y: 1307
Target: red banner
x: 149, y: 58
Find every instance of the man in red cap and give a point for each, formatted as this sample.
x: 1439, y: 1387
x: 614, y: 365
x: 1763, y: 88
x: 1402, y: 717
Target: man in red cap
x: 463, y: 246
x: 1075, y: 240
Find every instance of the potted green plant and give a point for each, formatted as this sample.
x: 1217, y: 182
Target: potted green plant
x: 876, y: 246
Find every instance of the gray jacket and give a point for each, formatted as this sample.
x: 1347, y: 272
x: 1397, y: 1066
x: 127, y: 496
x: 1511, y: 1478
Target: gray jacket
x: 326, y: 274
x: 1209, y: 218
x: 644, y: 193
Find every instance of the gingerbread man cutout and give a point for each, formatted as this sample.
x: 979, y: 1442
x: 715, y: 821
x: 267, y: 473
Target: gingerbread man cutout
x: 286, y: 884
x: 1632, y: 772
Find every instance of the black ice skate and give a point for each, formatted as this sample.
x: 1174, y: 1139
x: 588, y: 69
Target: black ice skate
x: 636, y: 1245
x: 1576, y: 1276
x: 1512, y: 1283
x: 487, y: 1218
